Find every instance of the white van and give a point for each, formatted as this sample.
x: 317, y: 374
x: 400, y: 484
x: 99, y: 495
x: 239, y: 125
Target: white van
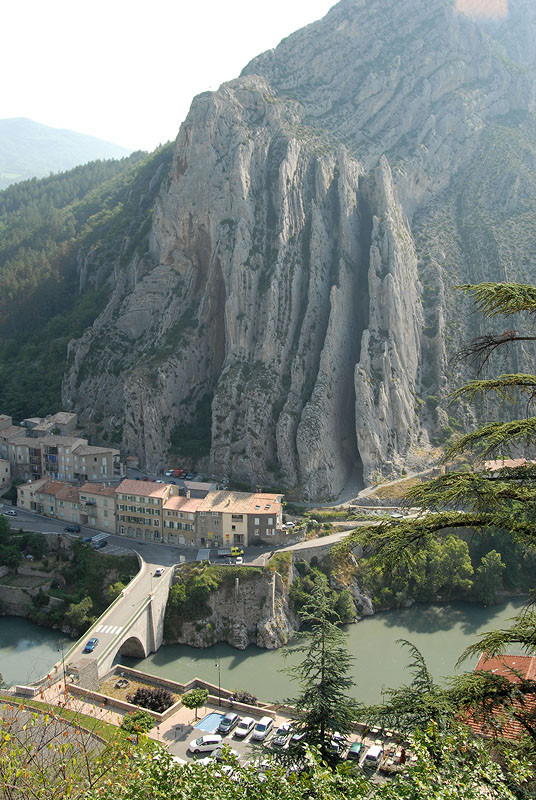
x: 262, y: 729
x: 373, y: 755
x: 10, y: 513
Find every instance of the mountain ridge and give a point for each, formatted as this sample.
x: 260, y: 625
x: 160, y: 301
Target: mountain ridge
x: 291, y: 311
x: 30, y: 149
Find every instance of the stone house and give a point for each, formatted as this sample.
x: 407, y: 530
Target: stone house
x: 5, y: 473
x: 97, y: 506
x: 140, y: 509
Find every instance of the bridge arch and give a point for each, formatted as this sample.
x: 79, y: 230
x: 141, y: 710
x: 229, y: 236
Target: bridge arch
x: 133, y: 646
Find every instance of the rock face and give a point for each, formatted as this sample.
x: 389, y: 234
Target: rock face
x: 304, y: 246
x: 253, y: 612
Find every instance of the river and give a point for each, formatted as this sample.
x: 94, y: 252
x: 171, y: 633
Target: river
x: 441, y: 632
x: 28, y: 651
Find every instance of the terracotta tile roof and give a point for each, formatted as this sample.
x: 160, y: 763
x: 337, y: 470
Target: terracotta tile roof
x: 200, y: 485
x: 35, y: 485
x: 506, y: 666
x: 98, y: 488
x: 61, y: 441
x: 241, y: 503
x: 191, y: 504
x: 9, y: 433
x: 54, y: 487
x: 502, y: 463
x: 62, y: 417
x: 69, y: 493
x: 86, y: 449
x: 143, y: 488
x: 23, y: 441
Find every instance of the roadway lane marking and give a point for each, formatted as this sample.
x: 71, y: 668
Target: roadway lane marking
x: 98, y: 629
x: 120, y: 629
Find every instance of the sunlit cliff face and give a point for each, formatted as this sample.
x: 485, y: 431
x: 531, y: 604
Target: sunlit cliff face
x: 489, y: 9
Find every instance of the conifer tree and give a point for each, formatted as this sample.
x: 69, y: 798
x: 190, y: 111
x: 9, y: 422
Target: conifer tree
x: 501, y: 498
x: 323, y: 706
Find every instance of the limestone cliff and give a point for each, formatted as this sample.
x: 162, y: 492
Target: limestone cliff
x: 294, y: 311
x: 252, y: 609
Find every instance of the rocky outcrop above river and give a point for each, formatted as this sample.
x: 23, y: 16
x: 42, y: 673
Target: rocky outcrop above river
x: 293, y: 316
x: 255, y: 610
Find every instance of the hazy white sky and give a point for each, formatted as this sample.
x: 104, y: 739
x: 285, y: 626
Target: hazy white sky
x: 125, y: 70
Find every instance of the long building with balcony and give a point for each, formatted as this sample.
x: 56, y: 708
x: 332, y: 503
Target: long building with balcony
x: 48, y: 449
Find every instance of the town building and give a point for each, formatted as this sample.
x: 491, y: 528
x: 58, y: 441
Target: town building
x: 47, y: 448
x: 50, y: 498
x: 160, y: 512
x: 5, y: 473
x: 97, y: 506
x: 238, y: 518
x: 140, y: 509
x: 502, y: 722
x: 180, y: 516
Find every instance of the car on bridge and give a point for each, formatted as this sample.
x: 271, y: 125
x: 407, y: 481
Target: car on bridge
x: 90, y: 645
x: 158, y: 572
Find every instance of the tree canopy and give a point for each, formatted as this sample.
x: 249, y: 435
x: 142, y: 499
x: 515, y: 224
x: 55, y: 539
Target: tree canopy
x: 489, y: 502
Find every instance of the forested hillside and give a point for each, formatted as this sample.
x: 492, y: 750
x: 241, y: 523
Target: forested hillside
x: 48, y: 228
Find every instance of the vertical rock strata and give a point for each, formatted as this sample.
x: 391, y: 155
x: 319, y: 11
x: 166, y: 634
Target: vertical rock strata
x: 317, y: 212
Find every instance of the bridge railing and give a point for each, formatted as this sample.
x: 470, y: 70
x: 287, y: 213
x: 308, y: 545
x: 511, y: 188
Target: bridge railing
x: 47, y: 679
x: 125, y: 628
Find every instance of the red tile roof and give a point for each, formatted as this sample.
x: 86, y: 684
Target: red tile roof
x: 506, y: 666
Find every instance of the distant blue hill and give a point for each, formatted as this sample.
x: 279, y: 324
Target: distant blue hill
x: 29, y: 149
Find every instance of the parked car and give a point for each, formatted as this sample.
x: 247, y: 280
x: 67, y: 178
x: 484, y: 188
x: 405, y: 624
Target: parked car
x: 91, y: 645
x: 355, y: 752
x: 205, y: 744
x: 338, y: 743
x: 229, y: 722
x: 189, y: 477
x: 87, y: 539
x: 237, y: 551
x: 10, y: 513
x: 291, y: 524
x: 244, y: 727
x: 239, y: 560
x: 281, y: 735
x: 262, y: 729
x: 168, y: 473
x: 158, y: 572
x: 296, y: 737
x: 72, y: 528
x: 99, y: 545
x: 160, y: 481
x: 223, y: 753
x: 373, y: 756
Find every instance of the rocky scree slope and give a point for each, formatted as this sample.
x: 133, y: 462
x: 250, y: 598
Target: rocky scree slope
x: 304, y: 245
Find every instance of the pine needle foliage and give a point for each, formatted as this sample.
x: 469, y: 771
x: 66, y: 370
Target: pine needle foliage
x: 502, y: 498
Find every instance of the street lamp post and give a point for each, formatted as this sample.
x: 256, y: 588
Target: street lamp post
x: 218, y: 665
x: 60, y: 650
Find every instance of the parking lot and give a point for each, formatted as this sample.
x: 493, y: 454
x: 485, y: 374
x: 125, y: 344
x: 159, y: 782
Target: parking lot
x: 178, y: 738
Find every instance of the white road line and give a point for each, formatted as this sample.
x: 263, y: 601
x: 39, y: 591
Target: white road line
x: 120, y: 629
x: 106, y: 629
x: 114, y: 630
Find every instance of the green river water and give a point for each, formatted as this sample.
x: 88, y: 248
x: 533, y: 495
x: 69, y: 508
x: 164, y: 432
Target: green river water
x: 441, y: 632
